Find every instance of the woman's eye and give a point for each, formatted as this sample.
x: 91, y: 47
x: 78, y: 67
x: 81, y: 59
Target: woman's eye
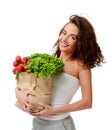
x: 74, y: 38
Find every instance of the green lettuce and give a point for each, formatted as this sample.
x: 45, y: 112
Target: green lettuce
x: 45, y: 65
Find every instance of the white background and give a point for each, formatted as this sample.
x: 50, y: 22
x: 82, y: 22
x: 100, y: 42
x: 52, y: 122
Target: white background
x: 28, y: 26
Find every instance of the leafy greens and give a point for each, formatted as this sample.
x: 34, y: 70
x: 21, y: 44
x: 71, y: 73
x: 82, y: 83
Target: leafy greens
x: 45, y: 65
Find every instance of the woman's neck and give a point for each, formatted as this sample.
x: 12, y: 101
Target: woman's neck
x: 66, y: 57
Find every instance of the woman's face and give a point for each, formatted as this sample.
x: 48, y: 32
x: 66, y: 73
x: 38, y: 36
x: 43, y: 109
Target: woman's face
x: 68, y: 38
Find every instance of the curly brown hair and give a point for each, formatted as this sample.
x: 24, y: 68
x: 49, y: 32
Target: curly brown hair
x: 88, y: 50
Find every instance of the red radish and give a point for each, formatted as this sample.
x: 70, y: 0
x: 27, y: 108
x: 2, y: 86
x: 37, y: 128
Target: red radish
x: 15, y: 63
x: 19, y: 68
x: 14, y: 70
x: 18, y: 58
x: 24, y: 59
x: 25, y: 68
x: 28, y: 62
x: 20, y: 64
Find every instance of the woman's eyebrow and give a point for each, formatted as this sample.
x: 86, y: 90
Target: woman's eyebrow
x: 64, y: 30
x: 70, y: 34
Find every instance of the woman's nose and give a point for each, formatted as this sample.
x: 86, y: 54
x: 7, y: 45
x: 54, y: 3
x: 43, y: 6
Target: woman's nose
x: 65, y: 38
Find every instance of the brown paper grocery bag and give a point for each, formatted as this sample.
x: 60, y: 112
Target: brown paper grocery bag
x: 40, y: 86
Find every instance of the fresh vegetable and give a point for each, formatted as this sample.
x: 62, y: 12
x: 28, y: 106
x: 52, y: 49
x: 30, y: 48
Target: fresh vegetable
x: 18, y: 58
x: 20, y: 65
x: 41, y: 64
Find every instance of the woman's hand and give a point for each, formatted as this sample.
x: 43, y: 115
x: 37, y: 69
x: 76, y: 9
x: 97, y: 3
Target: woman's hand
x: 22, y: 97
x: 47, y: 110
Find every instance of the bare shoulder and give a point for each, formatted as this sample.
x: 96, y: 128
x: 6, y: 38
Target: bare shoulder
x: 71, y: 68
x: 84, y: 72
x: 76, y: 68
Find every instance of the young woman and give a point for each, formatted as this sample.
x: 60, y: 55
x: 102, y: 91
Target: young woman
x: 78, y: 48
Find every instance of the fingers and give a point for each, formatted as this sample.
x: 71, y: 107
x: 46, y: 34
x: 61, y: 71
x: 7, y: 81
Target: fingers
x: 24, y: 106
x: 40, y: 103
x: 29, y: 92
x: 37, y: 113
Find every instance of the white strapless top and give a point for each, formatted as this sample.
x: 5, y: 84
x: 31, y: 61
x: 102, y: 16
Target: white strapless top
x: 64, y: 88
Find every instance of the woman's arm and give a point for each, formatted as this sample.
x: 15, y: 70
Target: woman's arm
x: 22, y: 97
